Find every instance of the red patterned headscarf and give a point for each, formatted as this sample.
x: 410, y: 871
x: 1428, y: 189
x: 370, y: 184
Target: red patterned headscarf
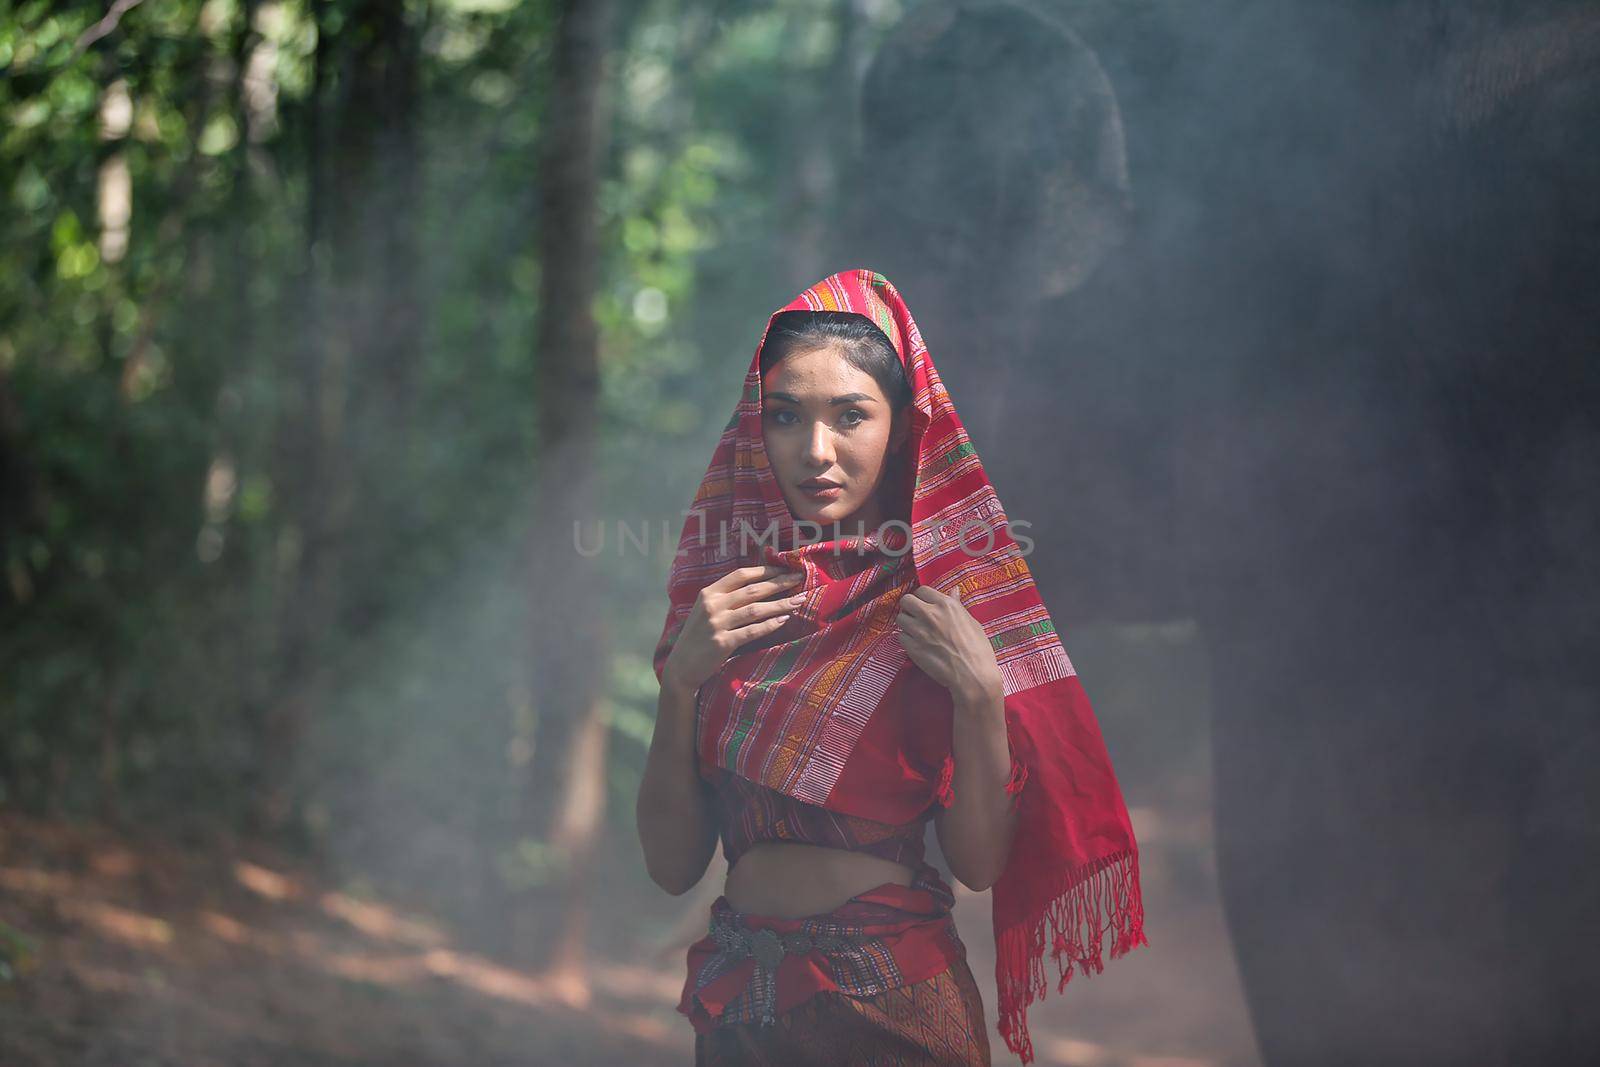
x: 830, y: 709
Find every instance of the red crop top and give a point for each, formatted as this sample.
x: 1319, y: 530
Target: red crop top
x: 749, y: 813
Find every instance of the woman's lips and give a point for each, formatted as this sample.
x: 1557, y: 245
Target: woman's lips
x: 822, y: 492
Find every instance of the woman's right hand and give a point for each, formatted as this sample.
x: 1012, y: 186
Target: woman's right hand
x: 730, y: 612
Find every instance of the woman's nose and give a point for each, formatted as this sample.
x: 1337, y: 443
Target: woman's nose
x: 820, y: 449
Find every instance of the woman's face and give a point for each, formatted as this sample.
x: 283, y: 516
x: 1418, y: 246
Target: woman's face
x: 824, y: 420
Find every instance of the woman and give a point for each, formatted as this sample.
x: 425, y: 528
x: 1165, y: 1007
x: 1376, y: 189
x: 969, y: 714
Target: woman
x: 854, y: 646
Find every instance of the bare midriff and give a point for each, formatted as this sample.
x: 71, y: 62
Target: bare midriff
x: 787, y: 880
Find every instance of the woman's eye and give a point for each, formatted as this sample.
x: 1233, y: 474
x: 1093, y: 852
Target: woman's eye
x: 853, y: 417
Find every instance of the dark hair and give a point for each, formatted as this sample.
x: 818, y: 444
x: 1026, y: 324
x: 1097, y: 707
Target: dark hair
x: 866, y: 347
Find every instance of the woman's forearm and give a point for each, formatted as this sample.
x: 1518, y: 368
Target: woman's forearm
x: 975, y: 831
x: 676, y: 821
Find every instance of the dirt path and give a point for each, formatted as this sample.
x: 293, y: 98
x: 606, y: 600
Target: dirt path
x: 146, y: 953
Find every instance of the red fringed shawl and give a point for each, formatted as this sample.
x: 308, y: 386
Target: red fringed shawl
x: 830, y: 709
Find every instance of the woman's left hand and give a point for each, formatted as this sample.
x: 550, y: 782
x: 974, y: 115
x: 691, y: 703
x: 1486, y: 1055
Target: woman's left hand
x: 941, y: 636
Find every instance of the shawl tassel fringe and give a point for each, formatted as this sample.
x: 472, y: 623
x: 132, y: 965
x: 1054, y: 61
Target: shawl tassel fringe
x: 1103, y: 894
x: 945, y: 790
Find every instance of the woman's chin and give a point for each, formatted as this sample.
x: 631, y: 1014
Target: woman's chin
x: 821, y: 514
x: 849, y: 523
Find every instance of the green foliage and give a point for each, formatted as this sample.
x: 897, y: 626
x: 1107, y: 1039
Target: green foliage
x: 165, y: 383
x: 18, y: 953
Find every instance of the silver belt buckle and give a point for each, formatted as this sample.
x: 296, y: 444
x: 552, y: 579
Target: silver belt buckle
x: 767, y: 947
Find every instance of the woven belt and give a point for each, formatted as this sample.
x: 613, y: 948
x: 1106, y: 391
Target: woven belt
x: 768, y: 948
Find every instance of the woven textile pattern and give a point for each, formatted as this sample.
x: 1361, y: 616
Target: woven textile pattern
x: 830, y: 710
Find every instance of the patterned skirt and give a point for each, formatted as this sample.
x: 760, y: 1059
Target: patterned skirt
x: 881, y: 979
x: 937, y: 1022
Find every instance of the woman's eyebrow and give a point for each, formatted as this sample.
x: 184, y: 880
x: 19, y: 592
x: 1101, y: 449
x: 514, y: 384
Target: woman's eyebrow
x: 847, y: 398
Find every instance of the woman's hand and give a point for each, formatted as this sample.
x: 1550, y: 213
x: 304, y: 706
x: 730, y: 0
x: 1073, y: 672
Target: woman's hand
x: 731, y: 611
x: 941, y: 636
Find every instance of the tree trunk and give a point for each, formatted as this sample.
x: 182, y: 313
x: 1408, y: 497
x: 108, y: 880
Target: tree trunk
x: 343, y: 440
x: 564, y: 791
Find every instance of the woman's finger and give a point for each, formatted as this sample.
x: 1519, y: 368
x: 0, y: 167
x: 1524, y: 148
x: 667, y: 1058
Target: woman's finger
x: 783, y: 582
x: 743, y: 575
x: 762, y: 609
x: 745, y: 634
